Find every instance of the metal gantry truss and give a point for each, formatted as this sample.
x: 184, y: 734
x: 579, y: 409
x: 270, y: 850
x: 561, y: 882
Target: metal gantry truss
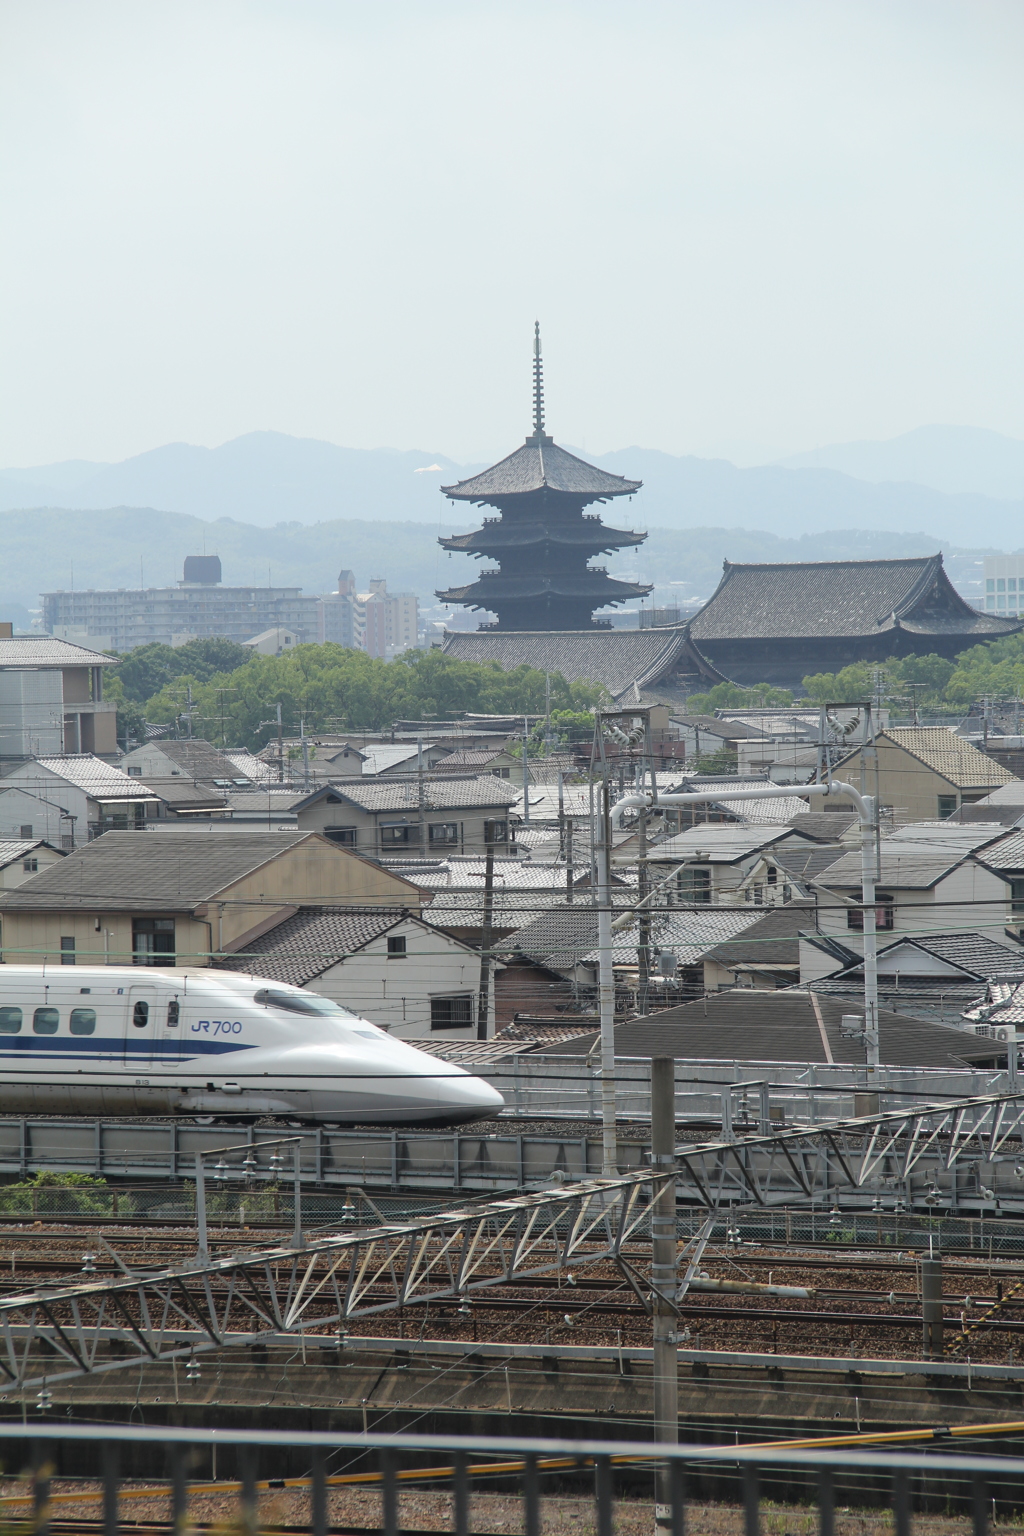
x: 55, y: 1333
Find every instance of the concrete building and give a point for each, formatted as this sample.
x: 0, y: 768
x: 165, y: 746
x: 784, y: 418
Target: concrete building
x: 197, y: 608
x: 184, y: 896
x: 51, y: 698
x: 1004, y: 585
x: 377, y: 621
x: 388, y: 965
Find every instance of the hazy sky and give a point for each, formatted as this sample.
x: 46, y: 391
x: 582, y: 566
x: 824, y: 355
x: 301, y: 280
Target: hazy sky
x: 772, y: 223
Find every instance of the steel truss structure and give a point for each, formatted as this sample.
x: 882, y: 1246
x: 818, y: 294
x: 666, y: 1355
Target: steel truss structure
x: 55, y: 1333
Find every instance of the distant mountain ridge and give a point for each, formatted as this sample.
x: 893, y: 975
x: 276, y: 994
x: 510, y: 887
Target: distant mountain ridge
x: 949, y: 459
x: 266, y: 478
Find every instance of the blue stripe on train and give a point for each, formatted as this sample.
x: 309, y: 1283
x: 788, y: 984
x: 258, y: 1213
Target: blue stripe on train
x: 93, y: 1045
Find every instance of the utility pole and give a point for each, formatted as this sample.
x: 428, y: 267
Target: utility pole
x: 526, y: 773
x: 421, y: 797
x: 664, y: 1281
x: 280, y: 745
x: 606, y: 990
x: 305, y: 753
x: 643, y: 950
x: 931, y: 1305
x: 484, y: 998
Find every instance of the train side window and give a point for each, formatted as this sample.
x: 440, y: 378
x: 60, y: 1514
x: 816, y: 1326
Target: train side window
x: 140, y: 1015
x: 10, y: 1021
x: 45, y: 1021
x: 83, y: 1021
x: 173, y: 1014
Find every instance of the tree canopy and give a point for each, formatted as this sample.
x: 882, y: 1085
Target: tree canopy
x: 332, y: 688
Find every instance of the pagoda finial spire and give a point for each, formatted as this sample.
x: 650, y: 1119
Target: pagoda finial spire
x: 538, y: 382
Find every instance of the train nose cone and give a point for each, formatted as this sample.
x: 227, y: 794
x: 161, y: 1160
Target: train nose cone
x: 468, y: 1098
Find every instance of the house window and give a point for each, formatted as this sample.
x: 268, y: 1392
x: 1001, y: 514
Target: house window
x: 30, y: 866
x: 136, y: 773
x: 26, y: 829
x: 1017, y: 897
x: 396, y: 946
x: 947, y: 806
x: 451, y: 1012
x: 153, y: 941
x: 346, y: 836
x: 885, y: 915
x: 397, y: 834
x: 67, y: 951
x: 693, y: 887
x: 443, y: 831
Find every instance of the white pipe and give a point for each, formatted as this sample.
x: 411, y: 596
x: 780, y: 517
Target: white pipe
x: 867, y: 812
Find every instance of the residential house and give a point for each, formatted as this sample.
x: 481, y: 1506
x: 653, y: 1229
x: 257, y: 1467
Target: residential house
x: 935, y: 977
x: 193, y: 759
x: 765, y: 955
x: 706, y: 735
x: 709, y: 864
x: 785, y: 1026
x: 182, y: 895
x: 435, y: 816
x: 924, y: 772
x: 51, y: 698
x: 931, y: 878
x: 68, y: 800
x: 770, y: 811
x: 386, y: 964
x: 520, y: 892
x: 21, y: 858
x: 273, y: 642
x: 679, y: 944
x: 539, y: 974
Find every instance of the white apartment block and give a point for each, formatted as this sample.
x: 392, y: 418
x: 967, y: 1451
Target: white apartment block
x: 1004, y: 584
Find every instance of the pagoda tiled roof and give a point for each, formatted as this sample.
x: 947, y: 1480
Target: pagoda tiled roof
x: 494, y: 538
x: 537, y: 466
x: 589, y: 584
x: 841, y: 598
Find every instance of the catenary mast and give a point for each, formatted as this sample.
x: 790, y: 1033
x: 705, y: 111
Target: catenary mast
x: 542, y: 539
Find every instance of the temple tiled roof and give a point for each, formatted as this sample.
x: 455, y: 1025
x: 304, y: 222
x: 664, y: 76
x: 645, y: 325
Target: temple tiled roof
x: 617, y: 658
x: 839, y: 598
x: 541, y: 465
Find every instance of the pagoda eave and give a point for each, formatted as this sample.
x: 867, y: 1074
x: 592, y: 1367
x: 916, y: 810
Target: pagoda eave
x: 487, y: 594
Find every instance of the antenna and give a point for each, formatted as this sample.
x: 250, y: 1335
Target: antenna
x: 538, y: 382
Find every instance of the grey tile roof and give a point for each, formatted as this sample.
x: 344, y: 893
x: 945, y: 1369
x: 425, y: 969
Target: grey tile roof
x: 750, y: 1025
x: 718, y: 843
x: 689, y: 932
x: 1010, y: 793
x: 773, y: 939
x: 804, y: 863
x: 380, y: 757
x: 200, y: 760
x: 247, y: 766
x: 45, y: 651
x: 184, y: 794
x: 540, y: 465
x: 948, y: 755
x: 728, y: 730
x: 759, y: 813
x: 823, y: 826
x: 1003, y: 1003
x: 909, y: 869
x: 816, y: 599
x: 978, y: 956
x: 99, y: 780
x: 557, y: 938
x: 165, y: 871
x: 309, y: 943
x: 616, y: 658
x: 438, y: 794
x: 13, y: 849
x: 1008, y: 853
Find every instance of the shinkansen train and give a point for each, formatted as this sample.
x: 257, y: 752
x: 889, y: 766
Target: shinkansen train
x: 107, y: 1040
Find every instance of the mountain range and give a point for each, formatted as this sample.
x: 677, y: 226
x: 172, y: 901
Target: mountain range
x: 267, y: 478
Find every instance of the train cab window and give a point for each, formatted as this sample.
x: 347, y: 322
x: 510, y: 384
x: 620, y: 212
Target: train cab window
x: 10, y: 1021
x: 83, y: 1021
x: 173, y: 1014
x: 140, y: 1014
x: 45, y: 1021
x: 301, y: 1002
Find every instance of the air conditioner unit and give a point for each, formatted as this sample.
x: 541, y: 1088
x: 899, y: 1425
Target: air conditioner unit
x: 1008, y: 1032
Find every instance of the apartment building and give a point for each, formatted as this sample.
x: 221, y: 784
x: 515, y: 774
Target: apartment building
x: 51, y: 698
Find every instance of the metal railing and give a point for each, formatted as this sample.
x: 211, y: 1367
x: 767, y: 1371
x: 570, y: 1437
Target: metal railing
x: 594, y: 1474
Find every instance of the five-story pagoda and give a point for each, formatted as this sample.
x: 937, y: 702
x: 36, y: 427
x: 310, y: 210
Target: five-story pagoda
x: 542, y: 538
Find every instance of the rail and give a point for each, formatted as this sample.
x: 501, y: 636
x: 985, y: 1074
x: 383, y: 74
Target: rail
x: 595, y: 1474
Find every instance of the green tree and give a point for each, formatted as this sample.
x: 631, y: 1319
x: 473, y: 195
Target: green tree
x: 331, y: 688
x: 732, y: 696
